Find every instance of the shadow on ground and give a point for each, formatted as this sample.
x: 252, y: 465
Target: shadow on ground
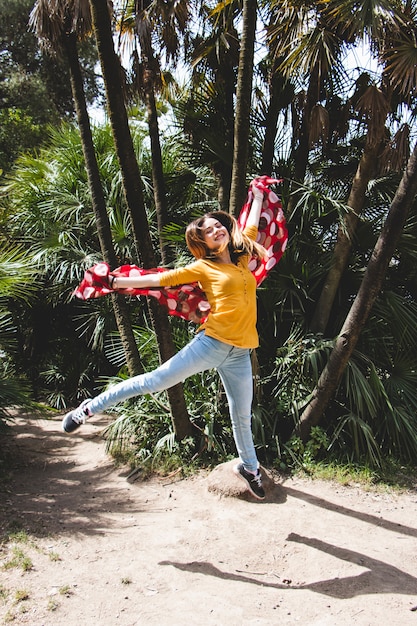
x: 45, y: 490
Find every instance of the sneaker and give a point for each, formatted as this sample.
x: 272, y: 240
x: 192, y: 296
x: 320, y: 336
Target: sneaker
x: 75, y: 418
x: 253, y: 481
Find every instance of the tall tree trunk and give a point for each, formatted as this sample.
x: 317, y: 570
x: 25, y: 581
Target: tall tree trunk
x: 120, y: 308
x: 345, y: 234
x: 223, y: 190
x: 134, y: 195
x: 226, y: 84
x: 243, y: 108
x: 368, y: 166
x: 302, y: 151
x: 303, y: 148
x: 157, y: 168
x: 268, y: 147
x: 367, y: 294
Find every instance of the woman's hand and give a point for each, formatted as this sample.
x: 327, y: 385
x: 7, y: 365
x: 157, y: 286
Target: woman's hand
x: 256, y: 206
x: 256, y: 191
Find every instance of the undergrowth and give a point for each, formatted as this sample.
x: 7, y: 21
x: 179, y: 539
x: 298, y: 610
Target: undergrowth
x: 143, y: 452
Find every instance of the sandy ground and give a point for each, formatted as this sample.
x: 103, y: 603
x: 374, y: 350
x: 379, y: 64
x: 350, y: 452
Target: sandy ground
x: 106, y: 551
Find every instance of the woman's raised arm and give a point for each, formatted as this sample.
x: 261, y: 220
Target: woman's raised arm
x: 256, y: 206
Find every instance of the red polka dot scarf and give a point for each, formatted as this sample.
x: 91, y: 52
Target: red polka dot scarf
x: 189, y: 301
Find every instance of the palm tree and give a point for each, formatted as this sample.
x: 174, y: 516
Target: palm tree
x: 111, y: 70
x: 394, y: 41
x: 280, y: 94
x: 365, y: 299
x: 208, y: 110
x: 324, y: 31
x: 50, y: 213
x: 309, y: 50
x: 243, y: 107
x: 58, y: 27
x: 149, y: 20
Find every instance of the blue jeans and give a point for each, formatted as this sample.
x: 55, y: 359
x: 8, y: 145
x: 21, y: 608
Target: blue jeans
x: 202, y: 353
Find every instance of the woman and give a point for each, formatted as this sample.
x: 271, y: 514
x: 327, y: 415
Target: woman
x: 224, y: 340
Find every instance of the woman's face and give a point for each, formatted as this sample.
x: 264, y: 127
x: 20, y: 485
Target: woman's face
x: 216, y: 236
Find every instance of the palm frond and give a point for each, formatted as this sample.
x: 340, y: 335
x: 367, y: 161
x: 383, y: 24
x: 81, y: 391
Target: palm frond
x: 402, y: 316
x: 319, y: 125
x: 355, y: 438
x: 14, y: 392
x: 401, y: 65
x: 17, y: 273
x: 373, y: 107
x: 396, y: 153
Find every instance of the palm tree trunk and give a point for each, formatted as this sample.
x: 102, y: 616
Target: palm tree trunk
x: 367, y: 294
x: 243, y: 108
x: 268, y: 147
x: 303, y: 149
x: 223, y: 172
x: 134, y: 195
x: 120, y: 308
x: 345, y: 235
x: 367, y: 167
x: 157, y: 168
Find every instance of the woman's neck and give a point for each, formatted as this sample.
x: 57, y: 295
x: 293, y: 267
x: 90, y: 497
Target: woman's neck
x: 224, y: 257
x: 221, y: 257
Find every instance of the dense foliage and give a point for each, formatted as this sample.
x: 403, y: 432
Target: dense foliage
x: 331, y: 128
x: 34, y: 88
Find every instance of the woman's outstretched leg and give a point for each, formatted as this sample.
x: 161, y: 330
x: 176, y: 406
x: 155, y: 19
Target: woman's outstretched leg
x: 200, y: 354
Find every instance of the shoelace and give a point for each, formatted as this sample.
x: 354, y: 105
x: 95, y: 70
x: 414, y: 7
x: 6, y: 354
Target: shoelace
x: 257, y: 479
x: 79, y: 415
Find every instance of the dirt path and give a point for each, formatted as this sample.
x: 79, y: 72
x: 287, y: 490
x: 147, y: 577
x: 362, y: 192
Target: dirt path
x: 108, y: 552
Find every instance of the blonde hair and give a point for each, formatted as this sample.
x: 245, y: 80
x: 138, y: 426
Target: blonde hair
x: 239, y: 243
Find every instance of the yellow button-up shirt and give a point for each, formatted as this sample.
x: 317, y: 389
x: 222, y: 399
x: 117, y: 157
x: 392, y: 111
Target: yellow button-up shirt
x: 231, y: 292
